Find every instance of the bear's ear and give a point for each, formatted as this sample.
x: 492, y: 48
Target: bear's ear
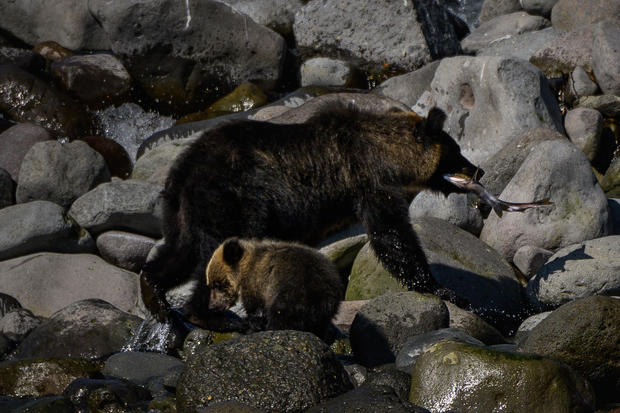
x: 434, y: 121
x: 232, y: 251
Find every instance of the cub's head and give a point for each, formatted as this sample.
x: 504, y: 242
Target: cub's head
x: 450, y: 161
x: 222, y: 274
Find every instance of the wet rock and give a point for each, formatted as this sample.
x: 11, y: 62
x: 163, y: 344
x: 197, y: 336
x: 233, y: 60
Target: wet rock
x: 15, y: 142
x: 521, y: 46
x: 371, y: 398
x: 455, y: 208
x: 606, y: 56
x: 561, y: 55
x: 323, y: 71
x: 583, y: 334
x: 493, y: 8
x: 124, y: 249
x: 7, y: 189
x: 245, y: 97
x: 458, y: 261
x: 538, y: 7
x: 280, y: 370
x: 418, y: 344
x: 387, y: 375
x: 163, y: 43
x: 88, y: 329
x: 278, y: 15
x: 45, y: 404
x: 60, y: 173
x: 528, y: 259
x: 116, y: 157
x: 198, y: 339
x: 528, y: 325
x: 47, y: 282
x: 51, y: 51
x: 418, y: 32
x: 570, y: 14
x: 577, y: 271
x: 105, y: 395
x: 409, y: 87
x: 579, y: 85
x: 579, y: 210
x: 27, y: 98
x: 40, y: 226
x: 473, y: 325
x: 141, y: 367
x: 97, y: 79
x: 382, y: 326
x: 40, y: 377
x: 129, y: 125
x: 461, y: 377
x: 7, y: 304
x: 18, y: 323
x: 608, y: 105
x: 130, y: 205
x: 490, y: 101
x: 584, y: 127
x: 500, y: 27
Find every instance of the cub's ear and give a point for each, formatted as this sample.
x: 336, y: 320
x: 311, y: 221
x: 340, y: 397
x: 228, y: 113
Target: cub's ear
x: 434, y: 121
x: 232, y: 251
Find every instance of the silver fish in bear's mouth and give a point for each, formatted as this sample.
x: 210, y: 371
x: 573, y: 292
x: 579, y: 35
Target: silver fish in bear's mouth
x: 471, y: 185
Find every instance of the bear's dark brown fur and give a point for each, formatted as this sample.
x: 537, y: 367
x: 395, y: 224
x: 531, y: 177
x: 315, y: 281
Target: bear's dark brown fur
x: 293, y: 181
x: 282, y: 285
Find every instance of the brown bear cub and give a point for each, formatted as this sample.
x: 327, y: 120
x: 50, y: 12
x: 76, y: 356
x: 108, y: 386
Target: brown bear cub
x: 282, y: 285
x: 292, y: 182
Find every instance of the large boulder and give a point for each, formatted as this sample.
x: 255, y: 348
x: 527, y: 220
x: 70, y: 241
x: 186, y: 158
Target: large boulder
x: 278, y: 15
x: 459, y: 261
x: 460, y: 377
x: 562, y: 54
x: 504, y: 26
x: 130, y: 205
x: 40, y: 226
x: 490, y: 101
x: 178, y: 50
x: 60, y: 173
x: 570, y: 14
x: 89, y: 329
x: 48, y: 282
x: 67, y: 22
x: 285, y: 371
x: 583, y: 334
x: 383, y: 325
x: 557, y: 170
x: 400, y: 37
x: 522, y: 46
x: 577, y: 271
x: 606, y: 56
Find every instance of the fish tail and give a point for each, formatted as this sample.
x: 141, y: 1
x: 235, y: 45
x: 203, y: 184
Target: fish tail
x: 498, y: 208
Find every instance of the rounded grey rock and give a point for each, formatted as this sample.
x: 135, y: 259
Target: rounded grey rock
x: 606, y: 56
x: 382, y: 326
x: 323, y: 71
x: 528, y: 325
x: 15, y: 142
x: 140, y: 367
x: 40, y: 226
x: 580, y: 84
x: 455, y: 208
x: 124, y: 249
x: 577, y: 271
x: 538, y: 7
x: 130, y: 205
x: 47, y: 282
x: 19, y: 323
x: 584, y: 127
x: 60, y: 173
x: 528, y: 259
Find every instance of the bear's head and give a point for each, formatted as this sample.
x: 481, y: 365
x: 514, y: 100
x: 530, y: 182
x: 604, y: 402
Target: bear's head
x: 450, y: 160
x: 222, y: 274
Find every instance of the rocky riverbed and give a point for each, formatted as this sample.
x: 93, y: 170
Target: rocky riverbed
x: 97, y: 99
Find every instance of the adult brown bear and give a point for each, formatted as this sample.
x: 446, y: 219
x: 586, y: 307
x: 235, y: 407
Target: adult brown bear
x: 256, y: 179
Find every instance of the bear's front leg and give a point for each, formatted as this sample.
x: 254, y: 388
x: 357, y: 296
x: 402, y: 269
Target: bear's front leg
x: 385, y: 216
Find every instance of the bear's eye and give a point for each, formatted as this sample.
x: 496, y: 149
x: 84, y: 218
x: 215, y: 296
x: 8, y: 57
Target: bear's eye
x: 217, y: 285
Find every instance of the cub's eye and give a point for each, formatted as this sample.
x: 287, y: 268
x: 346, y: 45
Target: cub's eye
x: 217, y: 286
